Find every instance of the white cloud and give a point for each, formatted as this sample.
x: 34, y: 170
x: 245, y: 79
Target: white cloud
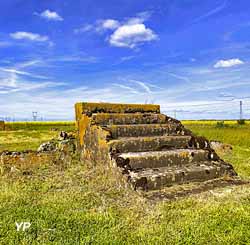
x: 14, y: 71
x: 143, y: 85
x: 28, y: 63
x: 128, y: 33
x: 130, y: 89
x: 110, y: 24
x: 28, y: 36
x: 5, y: 44
x: 99, y: 26
x: 85, y: 28
x: 24, y: 73
x: 211, y: 12
x: 228, y: 63
x: 131, y: 35
x: 50, y: 15
x: 126, y: 58
x: 12, y: 81
x: 185, y: 98
x: 73, y: 58
x: 139, y: 18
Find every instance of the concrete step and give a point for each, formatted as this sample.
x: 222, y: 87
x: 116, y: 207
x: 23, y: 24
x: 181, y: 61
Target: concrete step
x: 168, y: 158
x: 136, y: 130
x: 194, y: 188
x: 127, y: 118
x: 89, y: 108
x: 143, y: 144
x: 156, y: 178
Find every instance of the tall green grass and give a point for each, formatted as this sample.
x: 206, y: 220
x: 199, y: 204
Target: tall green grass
x: 232, y: 134
x: 79, y: 204
x: 236, y: 135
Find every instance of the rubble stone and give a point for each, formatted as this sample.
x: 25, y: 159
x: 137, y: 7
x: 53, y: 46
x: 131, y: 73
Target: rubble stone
x: 47, y: 146
x: 221, y: 147
x: 51, y: 152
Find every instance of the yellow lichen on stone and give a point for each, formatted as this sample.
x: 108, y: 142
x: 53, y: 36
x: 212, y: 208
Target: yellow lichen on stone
x: 83, y: 123
x: 82, y: 107
x: 127, y: 118
x: 78, y: 111
x: 184, y: 154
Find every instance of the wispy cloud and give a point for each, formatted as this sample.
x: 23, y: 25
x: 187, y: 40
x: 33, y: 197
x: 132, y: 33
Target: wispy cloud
x: 50, y: 15
x: 99, y: 26
x: 211, y: 12
x: 9, y: 70
x: 74, y: 58
x: 5, y: 43
x: 138, y: 19
x: 184, y: 89
x: 170, y: 100
x: 13, y: 81
x: 22, y: 35
x: 29, y: 63
x: 144, y: 85
x: 126, y: 58
x: 18, y: 72
x: 17, y: 69
x: 84, y: 28
x: 27, y: 86
x: 186, y: 79
x: 130, y: 89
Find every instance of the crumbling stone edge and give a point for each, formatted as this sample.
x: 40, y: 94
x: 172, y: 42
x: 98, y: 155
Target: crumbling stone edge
x: 62, y: 150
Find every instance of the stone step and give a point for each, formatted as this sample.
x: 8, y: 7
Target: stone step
x: 194, y: 188
x: 89, y: 108
x: 136, y: 130
x: 156, y: 159
x: 157, y: 178
x: 127, y: 118
x: 143, y: 144
x: 168, y: 158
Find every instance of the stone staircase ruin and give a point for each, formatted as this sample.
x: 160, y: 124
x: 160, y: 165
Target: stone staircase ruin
x: 149, y: 150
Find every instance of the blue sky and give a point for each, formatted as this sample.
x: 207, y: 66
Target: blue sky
x: 189, y: 56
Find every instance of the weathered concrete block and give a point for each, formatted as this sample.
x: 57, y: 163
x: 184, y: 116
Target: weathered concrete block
x: 142, y: 130
x: 127, y: 118
x: 172, y: 157
x: 150, y: 143
x: 89, y: 108
x: 157, y: 178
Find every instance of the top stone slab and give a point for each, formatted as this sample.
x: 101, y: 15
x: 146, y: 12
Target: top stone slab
x: 86, y: 108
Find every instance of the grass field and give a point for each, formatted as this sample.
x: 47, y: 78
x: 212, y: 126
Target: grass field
x: 236, y: 135
x: 81, y: 205
x: 29, y: 135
